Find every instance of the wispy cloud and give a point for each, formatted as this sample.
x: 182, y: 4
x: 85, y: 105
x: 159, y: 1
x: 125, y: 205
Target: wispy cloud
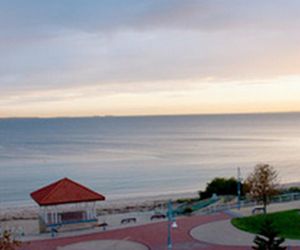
x: 143, y: 46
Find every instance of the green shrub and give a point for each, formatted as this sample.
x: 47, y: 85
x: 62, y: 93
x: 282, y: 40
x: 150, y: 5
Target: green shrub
x: 220, y: 186
x: 187, y: 210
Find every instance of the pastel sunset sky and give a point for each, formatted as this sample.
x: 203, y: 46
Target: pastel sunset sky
x: 142, y: 57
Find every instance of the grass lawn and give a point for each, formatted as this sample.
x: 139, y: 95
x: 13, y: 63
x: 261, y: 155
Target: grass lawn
x: 286, y: 222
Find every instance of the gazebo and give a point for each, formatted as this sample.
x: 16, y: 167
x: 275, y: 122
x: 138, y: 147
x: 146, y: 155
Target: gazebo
x: 66, y: 205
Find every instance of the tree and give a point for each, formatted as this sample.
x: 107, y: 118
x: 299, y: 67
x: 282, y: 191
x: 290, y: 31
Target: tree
x: 7, y: 243
x: 220, y: 186
x: 268, y: 237
x: 262, y: 184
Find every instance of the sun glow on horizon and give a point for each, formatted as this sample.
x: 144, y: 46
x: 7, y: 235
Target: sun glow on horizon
x: 199, y: 97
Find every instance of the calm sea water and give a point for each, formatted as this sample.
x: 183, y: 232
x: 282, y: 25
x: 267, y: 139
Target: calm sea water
x: 138, y: 156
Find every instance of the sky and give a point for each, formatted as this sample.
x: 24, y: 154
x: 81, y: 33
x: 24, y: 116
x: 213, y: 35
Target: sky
x: 148, y: 57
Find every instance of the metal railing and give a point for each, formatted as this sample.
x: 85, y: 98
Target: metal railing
x: 248, y: 203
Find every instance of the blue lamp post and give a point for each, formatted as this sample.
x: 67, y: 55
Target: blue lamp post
x: 171, y: 223
x: 239, y: 179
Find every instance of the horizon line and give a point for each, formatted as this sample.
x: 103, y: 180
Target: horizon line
x: 148, y: 115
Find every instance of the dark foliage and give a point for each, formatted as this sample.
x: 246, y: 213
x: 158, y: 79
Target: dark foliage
x: 220, y: 186
x: 268, y: 237
x: 188, y: 210
x: 7, y: 242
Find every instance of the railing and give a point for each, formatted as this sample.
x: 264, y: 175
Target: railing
x: 246, y: 203
x: 195, y: 206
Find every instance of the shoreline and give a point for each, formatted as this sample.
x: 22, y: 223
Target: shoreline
x: 107, y: 207
x: 115, y: 200
x: 29, y: 209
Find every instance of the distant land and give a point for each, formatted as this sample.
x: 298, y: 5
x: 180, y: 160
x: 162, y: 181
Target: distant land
x: 154, y: 115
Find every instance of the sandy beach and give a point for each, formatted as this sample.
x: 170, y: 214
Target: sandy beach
x: 25, y: 218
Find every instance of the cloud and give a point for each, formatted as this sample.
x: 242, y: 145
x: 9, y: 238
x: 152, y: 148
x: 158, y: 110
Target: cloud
x: 149, y: 46
x: 35, y: 18
x: 132, y: 57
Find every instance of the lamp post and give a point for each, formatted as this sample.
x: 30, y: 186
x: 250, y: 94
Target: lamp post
x: 171, y: 223
x: 239, y: 179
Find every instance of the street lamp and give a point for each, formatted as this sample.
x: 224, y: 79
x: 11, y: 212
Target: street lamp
x: 239, y: 180
x: 171, y: 223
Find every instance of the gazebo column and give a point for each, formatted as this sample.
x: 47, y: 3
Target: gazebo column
x: 55, y: 217
x: 92, y: 215
x: 94, y: 211
x: 91, y: 212
x: 88, y: 214
x: 45, y: 215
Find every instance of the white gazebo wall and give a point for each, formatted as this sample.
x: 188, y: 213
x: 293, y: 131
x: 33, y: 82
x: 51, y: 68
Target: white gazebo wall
x: 51, y: 214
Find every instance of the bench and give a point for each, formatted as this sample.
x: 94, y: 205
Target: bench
x: 103, y: 225
x: 158, y: 216
x: 128, y: 220
x: 258, y: 209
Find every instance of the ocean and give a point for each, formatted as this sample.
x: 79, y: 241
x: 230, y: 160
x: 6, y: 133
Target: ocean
x: 124, y: 157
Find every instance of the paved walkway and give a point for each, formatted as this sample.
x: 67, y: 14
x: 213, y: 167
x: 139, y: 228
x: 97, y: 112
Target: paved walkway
x: 224, y: 233
x: 154, y: 237
x: 105, y: 245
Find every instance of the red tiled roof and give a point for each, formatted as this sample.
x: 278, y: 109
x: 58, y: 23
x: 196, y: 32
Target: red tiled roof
x: 65, y: 191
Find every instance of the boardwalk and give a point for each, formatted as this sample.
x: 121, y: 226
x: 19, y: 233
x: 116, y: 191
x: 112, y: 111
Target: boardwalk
x: 151, y: 236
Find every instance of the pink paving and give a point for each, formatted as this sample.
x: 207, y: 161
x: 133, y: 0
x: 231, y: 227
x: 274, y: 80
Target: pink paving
x: 152, y: 235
